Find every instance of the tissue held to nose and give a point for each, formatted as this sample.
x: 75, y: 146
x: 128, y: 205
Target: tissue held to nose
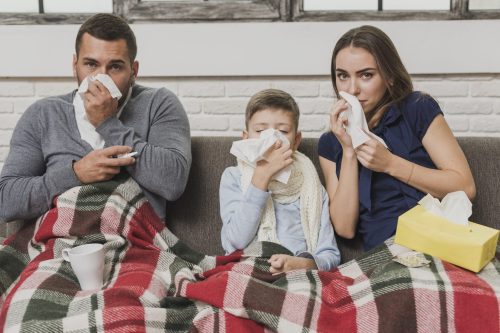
x: 251, y: 151
x: 105, y: 80
x: 357, y: 127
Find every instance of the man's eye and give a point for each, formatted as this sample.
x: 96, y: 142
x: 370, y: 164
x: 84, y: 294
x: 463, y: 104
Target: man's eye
x: 90, y: 64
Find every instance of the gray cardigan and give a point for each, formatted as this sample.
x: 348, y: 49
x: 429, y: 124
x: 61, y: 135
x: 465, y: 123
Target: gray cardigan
x: 46, y: 141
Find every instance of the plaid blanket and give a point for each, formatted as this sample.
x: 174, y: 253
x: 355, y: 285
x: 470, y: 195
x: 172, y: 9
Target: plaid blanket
x: 155, y: 283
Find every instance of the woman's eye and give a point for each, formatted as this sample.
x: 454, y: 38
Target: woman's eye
x: 367, y: 75
x: 342, y: 76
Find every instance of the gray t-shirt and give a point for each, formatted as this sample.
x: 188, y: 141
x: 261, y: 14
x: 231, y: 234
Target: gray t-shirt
x: 46, y: 141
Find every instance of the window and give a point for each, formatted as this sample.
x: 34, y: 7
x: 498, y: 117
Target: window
x: 19, y: 6
x: 484, y: 4
x: 345, y: 10
x: 402, y: 5
x: 76, y: 11
x: 56, y: 6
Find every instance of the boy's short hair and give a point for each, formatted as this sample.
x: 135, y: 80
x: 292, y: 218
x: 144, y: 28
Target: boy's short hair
x: 272, y: 99
x: 108, y: 27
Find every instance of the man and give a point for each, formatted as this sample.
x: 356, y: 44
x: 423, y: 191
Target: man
x: 65, y: 141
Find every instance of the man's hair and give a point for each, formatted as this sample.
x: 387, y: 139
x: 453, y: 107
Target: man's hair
x: 110, y: 28
x: 272, y: 99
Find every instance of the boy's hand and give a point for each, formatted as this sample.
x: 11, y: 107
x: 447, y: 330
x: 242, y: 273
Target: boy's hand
x: 276, y: 158
x: 282, y: 263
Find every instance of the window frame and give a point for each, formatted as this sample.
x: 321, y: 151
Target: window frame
x: 458, y: 11
x: 136, y: 11
x: 251, y: 11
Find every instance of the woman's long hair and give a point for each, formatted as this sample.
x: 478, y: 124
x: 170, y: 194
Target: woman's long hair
x: 392, y: 70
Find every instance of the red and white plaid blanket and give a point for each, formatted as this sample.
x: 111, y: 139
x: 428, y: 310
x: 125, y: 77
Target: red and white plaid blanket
x: 154, y: 283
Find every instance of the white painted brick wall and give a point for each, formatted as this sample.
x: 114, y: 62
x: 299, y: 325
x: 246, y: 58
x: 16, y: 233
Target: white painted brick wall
x: 216, y: 106
x: 16, y: 88
x: 486, y: 89
x: 245, y: 88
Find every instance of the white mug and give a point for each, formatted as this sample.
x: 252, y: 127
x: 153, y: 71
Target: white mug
x: 87, y: 262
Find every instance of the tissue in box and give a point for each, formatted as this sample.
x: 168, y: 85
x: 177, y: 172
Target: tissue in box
x: 470, y: 247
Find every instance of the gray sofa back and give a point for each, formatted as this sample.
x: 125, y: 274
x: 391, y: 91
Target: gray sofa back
x: 195, y: 218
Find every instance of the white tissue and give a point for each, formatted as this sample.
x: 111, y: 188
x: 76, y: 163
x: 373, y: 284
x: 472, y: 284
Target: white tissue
x: 357, y: 127
x: 86, y: 129
x: 455, y: 207
x: 105, y: 80
x: 252, y: 150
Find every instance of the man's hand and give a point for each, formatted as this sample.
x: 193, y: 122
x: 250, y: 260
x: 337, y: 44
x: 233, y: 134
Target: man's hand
x: 282, y: 263
x: 100, y: 165
x: 276, y: 158
x: 99, y: 105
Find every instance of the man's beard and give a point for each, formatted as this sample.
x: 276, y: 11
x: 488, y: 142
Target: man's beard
x: 122, y: 99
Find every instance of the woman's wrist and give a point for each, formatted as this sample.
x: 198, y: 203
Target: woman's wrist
x: 349, y: 153
x: 400, y: 168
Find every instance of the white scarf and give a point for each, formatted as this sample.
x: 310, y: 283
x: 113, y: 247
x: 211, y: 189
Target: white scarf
x: 303, y: 183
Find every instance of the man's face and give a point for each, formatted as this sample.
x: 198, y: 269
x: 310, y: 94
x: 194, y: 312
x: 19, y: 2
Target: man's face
x: 97, y: 56
x: 277, y: 119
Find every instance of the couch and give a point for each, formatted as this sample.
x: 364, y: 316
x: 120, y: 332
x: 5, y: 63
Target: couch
x: 195, y: 219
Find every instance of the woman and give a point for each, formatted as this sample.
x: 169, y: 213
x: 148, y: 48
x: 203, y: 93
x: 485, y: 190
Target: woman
x: 370, y: 186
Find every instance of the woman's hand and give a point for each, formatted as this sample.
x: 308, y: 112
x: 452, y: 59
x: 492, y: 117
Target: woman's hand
x: 374, y: 156
x: 338, y: 123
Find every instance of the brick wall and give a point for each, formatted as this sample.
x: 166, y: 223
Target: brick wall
x: 215, y: 106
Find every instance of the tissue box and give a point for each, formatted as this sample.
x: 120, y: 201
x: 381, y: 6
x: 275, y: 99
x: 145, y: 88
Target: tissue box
x: 470, y: 247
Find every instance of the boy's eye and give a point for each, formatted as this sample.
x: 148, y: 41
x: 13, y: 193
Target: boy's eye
x: 284, y: 132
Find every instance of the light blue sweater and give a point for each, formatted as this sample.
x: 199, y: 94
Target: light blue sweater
x: 241, y: 215
x: 46, y: 140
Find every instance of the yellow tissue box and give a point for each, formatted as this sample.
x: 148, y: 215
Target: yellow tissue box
x: 470, y: 247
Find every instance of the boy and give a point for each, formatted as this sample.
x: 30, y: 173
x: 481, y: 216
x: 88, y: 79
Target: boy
x: 255, y: 207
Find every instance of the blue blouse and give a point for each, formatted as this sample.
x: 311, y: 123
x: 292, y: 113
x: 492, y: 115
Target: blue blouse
x: 383, y: 198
